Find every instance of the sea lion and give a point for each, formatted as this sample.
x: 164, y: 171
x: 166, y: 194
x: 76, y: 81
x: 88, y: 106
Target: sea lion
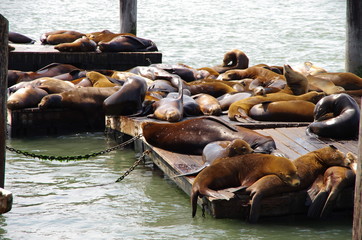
x: 60, y: 36
x: 347, y: 80
x: 128, y: 100
x: 104, y: 36
x: 326, y: 188
x: 309, y: 166
x: 192, y: 135
x: 162, y: 85
x: 325, y: 85
x: 239, y: 110
x: 82, y: 44
x: 169, y: 108
x: 209, y: 105
x: 283, y: 111
x: 27, y: 97
x: 242, y: 170
x: 220, y: 149
x: 297, y: 83
x: 99, y: 80
x: 191, y: 107
x: 309, y: 69
x: 15, y: 37
x: 87, y: 99
x: 215, y: 89
x: 51, y: 85
x: 186, y: 73
x: 127, y: 43
x: 345, y: 121
x: 228, y: 98
x: 263, y: 74
x: 234, y: 59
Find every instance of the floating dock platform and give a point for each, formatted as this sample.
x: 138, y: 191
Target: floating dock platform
x: 290, y: 139
x: 31, y: 57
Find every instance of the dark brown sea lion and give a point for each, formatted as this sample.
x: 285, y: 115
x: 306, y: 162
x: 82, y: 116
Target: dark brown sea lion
x: 220, y: 149
x: 283, y: 111
x: 209, y: 105
x: 82, y: 44
x: 296, y: 82
x: 191, y: 107
x: 345, y: 121
x: 61, y: 36
x: 15, y: 37
x: 242, y: 170
x: 88, y: 99
x: 234, y: 59
x: 186, y: 73
x: 326, y: 188
x: 239, y: 110
x: 127, y: 43
x: 309, y: 166
x: 347, y: 80
x: 128, y: 100
x: 27, y: 97
x: 192, y: 135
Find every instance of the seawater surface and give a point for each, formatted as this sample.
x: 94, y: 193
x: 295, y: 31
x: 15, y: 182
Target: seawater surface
x: 79, y: 199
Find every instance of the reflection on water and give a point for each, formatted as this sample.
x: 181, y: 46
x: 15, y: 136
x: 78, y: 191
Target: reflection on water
x: 56, y: 200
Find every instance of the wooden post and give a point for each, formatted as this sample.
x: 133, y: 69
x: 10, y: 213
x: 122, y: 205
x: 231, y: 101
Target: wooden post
x: 4, y: 30
x: 354, y: 37
x: 128, y: 16
x: 357, y: 213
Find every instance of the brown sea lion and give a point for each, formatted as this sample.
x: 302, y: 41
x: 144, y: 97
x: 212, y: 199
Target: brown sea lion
x: 53, y: 85
x: 209, y: 105
x: 263, y: 74
x: 170, y: 109
x: 104, y: 36
x: 127, y: 43
x: 15, y: 37
x: 297, y: 83
x: 326, y: 188
x: 27, y: 97
x: 82, y: 44
x: 345, y: 121
x: 60, y: 36
x: 283, y: 111
x: 234, y: 59
x: 309, y: 166
x: 309, y: 69
x: 242, y: 170
x: 192, y: 135
x: 99, y: 80
x: 347, y: 80
x: 215, y: 89
x: 239, y: 110
x: 220, y: 149
x: 228, y: 98
x: 325, y: 85
x: 86, y: 98
x: 191, y: 107
x: 128, y: 100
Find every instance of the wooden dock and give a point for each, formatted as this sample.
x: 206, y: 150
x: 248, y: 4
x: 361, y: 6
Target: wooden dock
x: 31, y: 57
x: 290, y: 139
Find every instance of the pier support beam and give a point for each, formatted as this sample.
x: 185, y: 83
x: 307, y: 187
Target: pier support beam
x: 128, y: 16
x: 357, y: 212
x: 354, y: 37
x: 4, y: 31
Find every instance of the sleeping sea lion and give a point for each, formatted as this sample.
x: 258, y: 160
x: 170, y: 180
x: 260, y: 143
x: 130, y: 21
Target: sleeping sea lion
x: 347, y: 80
x: 99, y: 80
x: 345, y: 121
x: 82, y: 44
x: 127, y: 43
x: 192, y: 135
x: 61, y: 36
x: 242, y: 170
x: 220, y: 149
x: 209, y: 105
x: 27, y: 97
x: 309, y: 166
x: 15, y: 37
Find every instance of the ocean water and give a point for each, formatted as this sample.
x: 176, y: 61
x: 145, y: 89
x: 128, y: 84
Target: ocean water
x: 80, y: 199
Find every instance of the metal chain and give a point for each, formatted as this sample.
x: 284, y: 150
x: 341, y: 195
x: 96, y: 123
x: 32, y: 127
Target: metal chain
x: 140, y: 159
x: 70, y: 158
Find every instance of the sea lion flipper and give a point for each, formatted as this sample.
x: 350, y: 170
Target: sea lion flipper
x: 192, y: 173
x: 317, y: 204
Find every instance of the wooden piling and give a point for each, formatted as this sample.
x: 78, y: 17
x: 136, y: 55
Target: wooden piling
x: 354, y: 37
x: 357, y: 213
x: 4, y: 30
x: 128, y: 16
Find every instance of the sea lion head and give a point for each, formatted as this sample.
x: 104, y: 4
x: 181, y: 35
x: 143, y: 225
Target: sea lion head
x: 285, y: 170
x: 51, y: 101
x: 239, y: 147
